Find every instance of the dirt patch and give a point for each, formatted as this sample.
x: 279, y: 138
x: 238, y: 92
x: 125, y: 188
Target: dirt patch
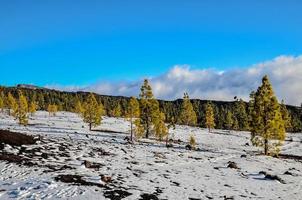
x: 16, y: 139
x: 89, y: 164
x: 108, y: 131
x: 12, y: 158
x: 272, y: 177
x: 76, y: 180
x: 232, y: 165
x: 116, y: 194
x: 53, y: 168
x: 16, y: 159
x: 113, y: 194
x: 148, y: 197
x: 289, y: 156
x: 28, y: 155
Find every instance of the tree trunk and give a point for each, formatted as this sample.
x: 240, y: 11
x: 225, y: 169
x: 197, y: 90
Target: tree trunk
x: 266, y: 147
x: 147, y: 131
x: 131, y: 131
x: 167, y: 140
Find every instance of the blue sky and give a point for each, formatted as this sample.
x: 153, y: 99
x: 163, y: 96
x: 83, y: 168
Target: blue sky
x: 82, y: 42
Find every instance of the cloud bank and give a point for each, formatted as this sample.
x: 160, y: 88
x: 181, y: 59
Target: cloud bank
x: 285, y: 73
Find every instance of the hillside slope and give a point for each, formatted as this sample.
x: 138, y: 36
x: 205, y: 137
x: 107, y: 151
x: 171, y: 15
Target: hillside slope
x: 100, y: 163
x: 67, y: 100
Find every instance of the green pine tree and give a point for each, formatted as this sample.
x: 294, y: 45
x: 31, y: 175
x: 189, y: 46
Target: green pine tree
x: 221, y: 118
x: 267, y: 127
x: 210, y: 118
x: 132, y: 113
x: 192, y: 141
x: 117, y: 111
x: 236, y: 126
x: 22, y: 110
x: 32, y: 108
x: 139, y: 129
x: 286, y: 116
x: 229, y: 120
x: 149, y: 108
x: 187, y: 114
x: 52, y: 109
x: 160, y: 128
x: 241, y: 115
x: 11, y: 104
x: 93, y: 111
x: 172, y: 126
x: 79, y: 108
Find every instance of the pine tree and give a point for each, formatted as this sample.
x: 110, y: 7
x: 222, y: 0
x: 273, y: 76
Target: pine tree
x: 139, y: 129
x: 267, y: 127
x: 241, y: 115
x: 78, y: 108
x: 52, y: 109
x: 296, y: 125
x: 229, y: 120
x: 171, y: 125
x: 192, y: 141
x: 149, y: 108
x: 41, y: 101
x: 32, y: 108
x: 187, y: 114
x: 210, y: 120
x: 11, y: 104
x: 93, y: 111
x: 285, y: 116
x: 117, y: 111
x: 160, y: 127
x: 236, y: 126
x: 132, y: 113
x: 221, y: 118
x: 22, y: 110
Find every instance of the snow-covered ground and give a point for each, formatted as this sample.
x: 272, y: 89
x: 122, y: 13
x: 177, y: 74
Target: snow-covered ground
x: 146, y: 169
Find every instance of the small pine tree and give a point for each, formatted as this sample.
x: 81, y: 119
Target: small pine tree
x: 22, y: 110
x: 236, y: 126
x: 32, y: 108
x: 93, y: 111
x: 229, y: 120
x: 192, y: 141
x: 160, y: 127
x: 132, y: 112
x: 210, y: 120
x: 285, y: 115
x: 52, y: 109
x: 149, y: 108
x: 187, y: 114
x: 267, y: 124
x: 11, y: 104
x: 117, y: 111
x: 277, y: 125
x: 79, y: 108
x: 241, y: 115
x: 139, y: 129
x: 171, y: 125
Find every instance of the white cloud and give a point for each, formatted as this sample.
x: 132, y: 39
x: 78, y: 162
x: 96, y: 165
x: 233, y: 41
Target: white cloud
x: 285, y: 73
